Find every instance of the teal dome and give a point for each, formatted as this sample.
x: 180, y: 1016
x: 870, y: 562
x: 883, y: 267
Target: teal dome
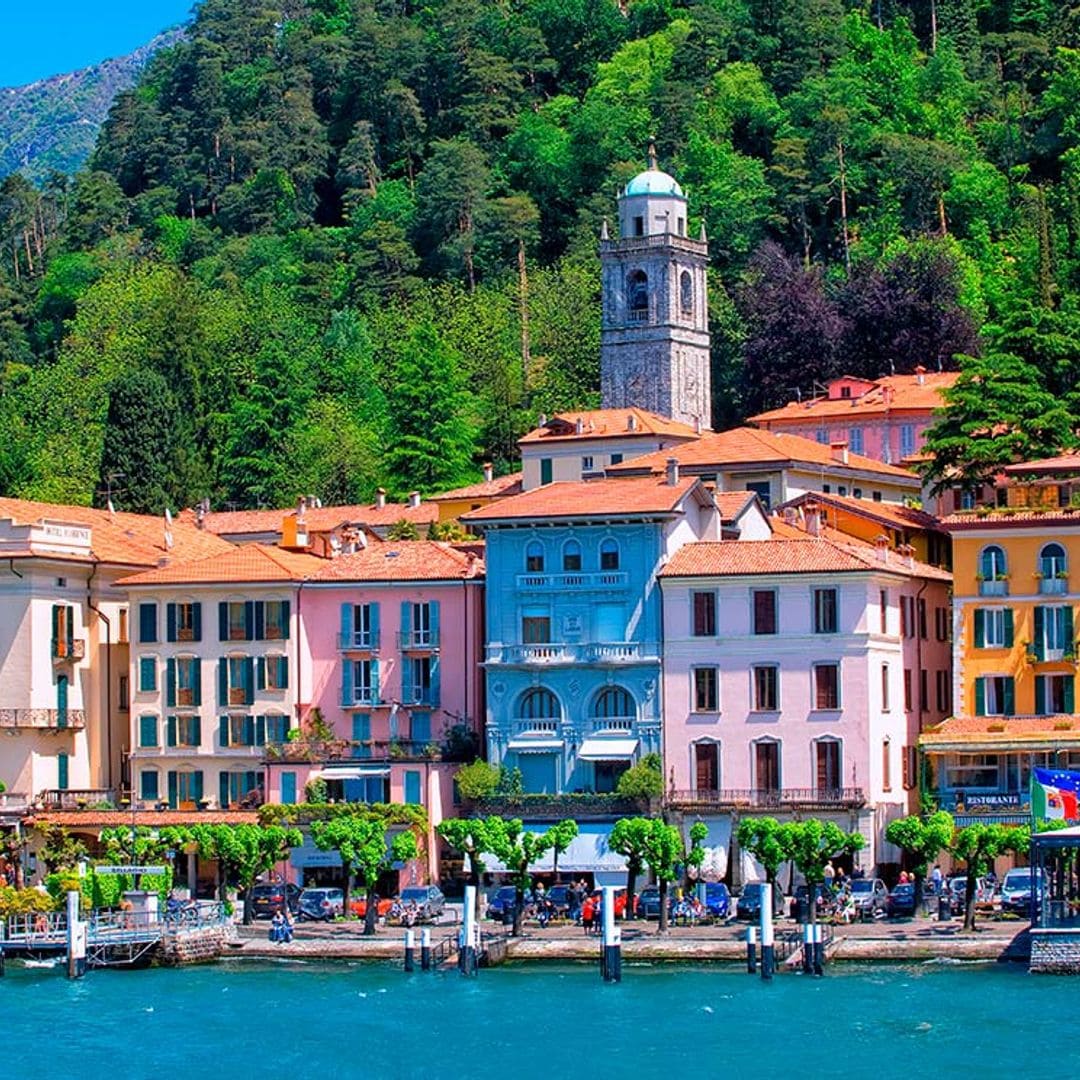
x: 654, y: 182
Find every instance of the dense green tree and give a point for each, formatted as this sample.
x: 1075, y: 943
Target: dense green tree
x: 977, y: 846
x: 629, y: 838
x: 922, y: 839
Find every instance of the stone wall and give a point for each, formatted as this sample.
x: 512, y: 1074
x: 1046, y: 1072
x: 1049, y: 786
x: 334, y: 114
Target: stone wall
x: 200, y: 945
x: 1055, y: 952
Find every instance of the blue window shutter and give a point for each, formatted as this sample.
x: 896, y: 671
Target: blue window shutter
x: 249, y: 620
x: 147, y: 673
x: 223, y: 790
x: 223, y: 681
x: 260, y: 730
x: 412, y: 787
x: 148, y: 785
x: 196, y: 682
x: 980, y: 628
x: 288, y: 788
x: 286, y: 618
x: 361, y: 727
x: 260, y: 620
x: 170, y: 682
x: 249, y: 730
x: 434, y: 608
x: 376, y: 692
x: 197, y: 784
x: 223, y: 731
x: 434, y: 680
x: 1040, y: 633
x: 148, y: 731
x: 346, y: 682
x: 62, y: 771
x: 1067, y: 612
x: 1010, y: 696
x: 1070, y: 694
x: 172, y: 788
x: 1040, y: 695
x: 407, y: 679
x: 373, y: 610
x: 980, y: 697
x: 249, y: 680
x: 223, y: 620
x: 406, y: 619
x: 71, y: 631
x: 196, y: 731
x: 61, y: 701
x: 196, y: 622
x: 346, y: 625
x: 421, y: 727
x: 170, y: 622
x: 1007, y: 618
x: 283, y: 672
x: 147, y: 623
x: 260, y: 673
x: 170, y: 727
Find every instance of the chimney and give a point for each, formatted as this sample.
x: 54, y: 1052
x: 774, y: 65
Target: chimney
x: 301, y: 509
x: 380, y: 498
x: 414, y: 499
x: 812, y: 517
x: 631, y: 422
x: 790, y: 517
x: 907, y: 553
x: 489, y: 472
x: 543, y: 420
x: 697, y: 425
x: 881, y: 548
x: 839, y: 452
x: 920, y: 375
x: 579, y: 426
x: 672, y: 471
x: 200, y: 513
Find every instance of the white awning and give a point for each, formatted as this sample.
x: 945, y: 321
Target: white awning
x: 607, y: 749
x: 534, y: 746
x: 356, y: 772
x: 588, y: 854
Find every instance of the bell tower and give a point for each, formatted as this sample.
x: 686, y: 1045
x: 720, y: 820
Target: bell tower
x: 654, y: 336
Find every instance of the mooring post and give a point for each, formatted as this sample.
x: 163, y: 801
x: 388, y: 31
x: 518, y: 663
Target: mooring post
x: 425, y: 949
x: 751, y: 950
x: 819, y: 949
x: 410, y: 949
x: 611, y: 951
x: 808, y: 948
x: 469, y: 936
x: 76, y: 938
x: 768, y: 951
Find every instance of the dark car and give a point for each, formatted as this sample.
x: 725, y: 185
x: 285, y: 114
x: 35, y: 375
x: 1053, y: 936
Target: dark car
x: 749, y: 904
x: 870, y: 897
x: 956, y: 893
x: 1016, y: 891
x: 502, y: 903
x: 717, y: 900
x: 822, y: 895
x: 901, y: 901
x: 648, y: 903
x: 321, y: 904
x: 559, y: 898
x: 428, y: 900
x: 266, y: 899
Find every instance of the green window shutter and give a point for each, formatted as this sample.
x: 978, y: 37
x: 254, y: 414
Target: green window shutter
x: 283, y: 672
x: 196, y: 682
x: 148, y: 785
x: 62, y: 701
x: 1070, y: 694
x: 1010, y: 696
x: 249, y: 731
x: 260, y: 620
x: 361, y: 727
x: 980, y: 697
x: 223, y: 681
x: 260, y: 673
x: 223, y: 620
x: 55, y: 628
x: 196, y: 622
x: 412, y: 787
x: 435, y: 688
x: 170, y: 682
x: 1040, y: 695
x: 148, y: 731
x: 196, y: 731
x: 249, y: 620
x: 71, y: 631
x: 545, y: 470
x: 1040, y: 633
x: 223, y: 731
x: 1070, y: 645
x: 980, y: 628
x: 223, y: 790
x: 407, y: 689
x: 433, y: 607
x: 249, y: 680
x: 288, y: 788
x: 260, y: 730
x: 62, y: 771
x: 286, y: 616
x: 170, y: 622
x: 197, y: 784
x: 147, y: 623
x: 170, y: 727
x: 347, y: 695
x: 172, y: 788
x: 1008, y: 620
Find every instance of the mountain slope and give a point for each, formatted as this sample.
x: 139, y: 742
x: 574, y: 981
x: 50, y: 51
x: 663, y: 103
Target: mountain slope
x: 53, y: 123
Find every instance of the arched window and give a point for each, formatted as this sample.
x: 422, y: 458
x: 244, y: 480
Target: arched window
x: 534, y: 557
x: 609, y: 554
x: 1052, y: 561
x: 686, y: 292
x: 571, y: 556
x: 992, y: 564
x: 637, y: 295
x: 538, y: 704
x: 613, y: 703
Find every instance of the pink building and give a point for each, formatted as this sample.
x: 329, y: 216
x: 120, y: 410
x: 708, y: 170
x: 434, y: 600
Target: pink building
x: 882, y: 418
x: 798, y: 674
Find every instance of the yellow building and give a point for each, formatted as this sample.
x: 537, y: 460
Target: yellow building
x: 452, y: 504
x: 1016, y: 575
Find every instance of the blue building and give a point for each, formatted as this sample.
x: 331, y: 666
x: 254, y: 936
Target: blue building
x: 573, y: 622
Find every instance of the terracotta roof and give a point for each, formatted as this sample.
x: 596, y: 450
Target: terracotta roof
x: 893, y: 393
x: 249, y: 563
x: 731, y: 504
x: 119, y: 538
x: 746, y: 447
x: 319, y: 519
x: 607, y: 424
x: 499, y: 487
x: 402, y: 560
x: 972, y: 520
x: 104, y: 819
x: 1027, y: 732
x: 894, y: 515
x: 806, y: 555
x: 589, y: 498
x: 784, y: 530
x: 1063, y: 463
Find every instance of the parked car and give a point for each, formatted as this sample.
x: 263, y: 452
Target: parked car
x: 502, y: 903
x: 648, y: 903
x: 749, y: 904
x: 1016, y: 891
x: 871, y: 897
x: 901, y: 901
x: 956, y: 892
x: 321, y: 904
x: 359, y: 907
x: 800, y: 899
x: 429, y: 900
x: 559, y: 897
x: 717, y: 900
x: 266, y: 899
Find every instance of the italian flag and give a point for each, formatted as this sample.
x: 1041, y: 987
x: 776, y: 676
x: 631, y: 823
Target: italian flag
x: 1055, y: 794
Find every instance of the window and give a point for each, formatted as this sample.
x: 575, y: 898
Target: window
x: 943, y: 688
x: 571, y: 556
x: 616, y: 459
x: 910, y: 767
x: 825, y: 611
x: 705, y: 689
x: 924, y: 690
x: 973, y: 771
x: 609, y: 554
x: 826, y: 686
x: 148, y: 785
x: 767, y: 766
x: 235, y: 787
x: 288, y: 788
x: 883, y: 600
x: 123, y: 693
x: 845, y: 391
x: 412, y: 787
x: 1052, y: 561
x: 62, y: 771
x: 613, y: 703
x: 183, y: 622
x: 420, y: 624
x: 704, y: 614
x: 538, y: 704
x: 639, y: 225
x: 420, y: 727
x: 884, y: 687
x: 545, y: 470
x: 822, y: 436
x: 827, y: 762
x: 185, y: 788
x: 886, y: 765
x: 922, y: 618
x: 841, y: 489
x: 907, y: 690
x: 274, y: 620
x: 995, y: 695
x: 682, y: 226
x: 993, y: 571
x: 184, y: 731
x: 147, y: 674
x: 941, y: 623
x: 993, y: 628
x: 907, y: 440
x: 534, y: 557
x: 237, y: 620
x: 148, y: 731
x: 364, y: 633
x: 420, y: 680
x: 147, y: 623
x: 766, y: 688
x: 186, y: 681
x: 707, y: 766
x: 239, y: 685
x: 855, y: 440
x: 686, y: 292
x: 637, y: 296
x: 764, y: 601
x: 238, y: 730
x: 763, y: 490
x: 907, y: 616
x: 277, y: 728
x: 1053, y: 636
x: 1054, y: 695
x: 536, y: 629
x: 365, y: 682
x: 587, y: 463
x: 273, y: 673
x: 122, y: 626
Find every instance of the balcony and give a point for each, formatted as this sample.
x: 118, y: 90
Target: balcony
x: 363, y: 695
x: 65, y: 650
x: 542, y: 729
x: 764, y: 799
x: 358, y: 642
x: 994, y: 587
x: 375, y: 750
x: 579, y: 806
x: 601, y: 653
x: 77, y: 799
x: 599, y: 580
x: 418, y: 640
x: 1053, y: 586
x: 44, y: 719
x: 13, y: 803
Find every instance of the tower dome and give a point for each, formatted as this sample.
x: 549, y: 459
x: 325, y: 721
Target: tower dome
x: 654, y: 182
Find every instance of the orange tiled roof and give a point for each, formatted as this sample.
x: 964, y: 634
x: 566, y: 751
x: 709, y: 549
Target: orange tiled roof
x: 120, y: 538
x: 783, y: 530
x: 589, y: 498
x: 1010, y: 518
x: 319, y: 519
x: 745, y: 447
x: 1028, y: 732
x: 1063, y: 463
x: 893, y: 393
x: 607, y: 424
x: 501, y: 486
x: 403, y: 560
x: 249, y: 563
x: 805, y: 555
x: 731, y: 503
x: 894, y: 515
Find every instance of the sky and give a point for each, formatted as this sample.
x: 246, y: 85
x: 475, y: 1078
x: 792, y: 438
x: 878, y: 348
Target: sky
x: 39, y: 38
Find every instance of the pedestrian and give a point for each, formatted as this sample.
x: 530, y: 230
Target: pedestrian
x: 936, y: 879
x: 588, y: 914
x: 903, y: 877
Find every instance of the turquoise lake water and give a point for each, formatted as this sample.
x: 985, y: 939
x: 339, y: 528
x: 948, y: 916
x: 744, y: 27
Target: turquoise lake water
x: 321, y: 1021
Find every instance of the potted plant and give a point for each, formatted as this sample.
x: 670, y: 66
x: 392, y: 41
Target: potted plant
x: 203, y: 804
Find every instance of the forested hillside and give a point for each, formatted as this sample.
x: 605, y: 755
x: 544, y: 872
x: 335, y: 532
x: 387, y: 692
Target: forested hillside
x: 329, y: 244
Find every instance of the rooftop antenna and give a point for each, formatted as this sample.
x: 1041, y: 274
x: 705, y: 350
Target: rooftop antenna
x: 798, y: 393
x: 110, y: 490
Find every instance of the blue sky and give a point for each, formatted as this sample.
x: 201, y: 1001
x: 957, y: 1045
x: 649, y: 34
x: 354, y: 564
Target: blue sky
x: 48, y: 37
